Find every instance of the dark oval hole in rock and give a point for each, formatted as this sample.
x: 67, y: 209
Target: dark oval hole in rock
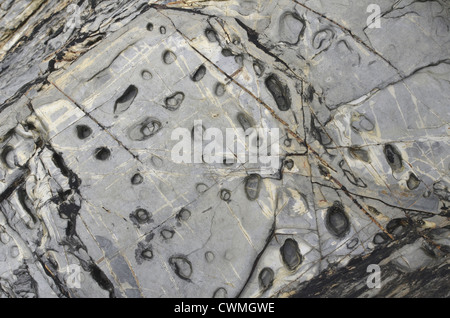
x: 174, y: 101
x: 337, y: 221
x: 83, y: 131
x: 124, y: 102
x: 413, y: 182
x: 145, y: 129
x: 181, y: 266
x: 220, y: 293
x: 102, y: 153
x: 258, y: 67
x: 380, y: 238
x: 279, y: 92
x: 167, y: 234
x: 290, y: 253
x: 137, y: 179
x: 147, y: 254
x: 225, y: 195
x: 184, y: 214
x: 211, y: 35
x: 245, y: 121
x: 265, y: 278
x: 142, y: 215
x: 227, y: 52
x: 289, y: 164
x: 398, y: 227
x: 169, y: 57
x: 393, y: 157
x: 252, y: 186
x: 199, y: 74
x: 219, y: 89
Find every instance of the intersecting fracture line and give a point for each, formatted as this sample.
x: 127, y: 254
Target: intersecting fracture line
x: 98, y: 123
x: 346, y: 30
x: 292, y: 133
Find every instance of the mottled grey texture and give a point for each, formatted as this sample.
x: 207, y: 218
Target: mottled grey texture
x: 89, y: 98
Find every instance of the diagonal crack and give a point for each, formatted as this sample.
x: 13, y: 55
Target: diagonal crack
x: 291, y: 132
x: 16, y: 183
x: 253, y: 37
x: 348, y: 31
x: 99, y: 124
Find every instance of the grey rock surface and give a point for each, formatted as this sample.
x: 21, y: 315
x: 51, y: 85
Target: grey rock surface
x: 92, y: 203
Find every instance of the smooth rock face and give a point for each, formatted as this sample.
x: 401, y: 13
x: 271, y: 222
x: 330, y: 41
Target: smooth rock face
x: 93, y: 204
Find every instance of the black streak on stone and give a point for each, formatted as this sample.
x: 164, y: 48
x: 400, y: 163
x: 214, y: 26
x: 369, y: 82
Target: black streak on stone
x: 346, y: 281
x: 74, y: 180
x: 253, y: 38
x: 102, y: 280
x: 309, y: 95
